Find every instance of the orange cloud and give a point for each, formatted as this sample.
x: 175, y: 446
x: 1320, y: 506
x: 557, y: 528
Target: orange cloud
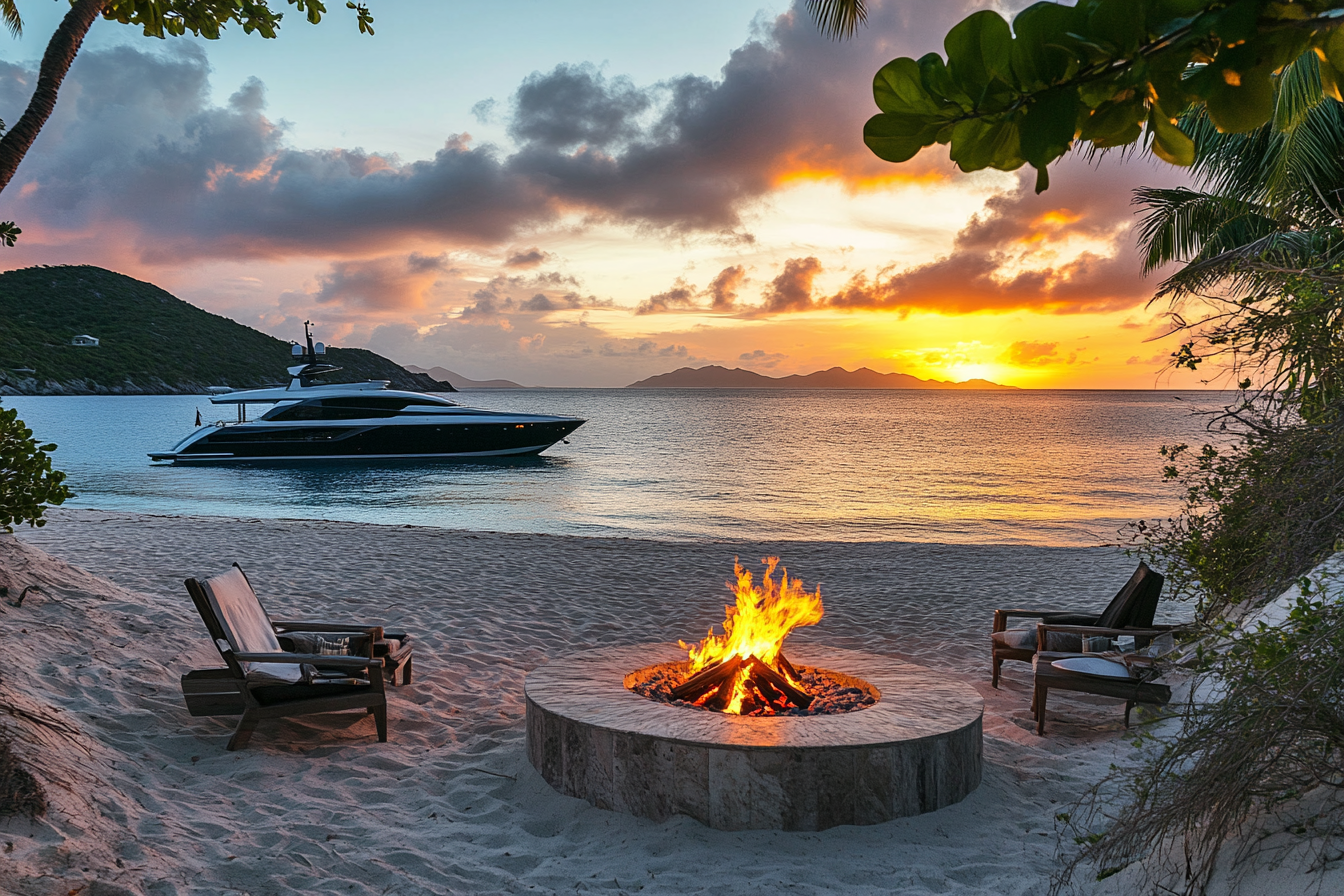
x: 1035, y: 354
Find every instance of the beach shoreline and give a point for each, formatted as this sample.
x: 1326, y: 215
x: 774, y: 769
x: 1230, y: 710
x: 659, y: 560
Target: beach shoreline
x: 147, y: 800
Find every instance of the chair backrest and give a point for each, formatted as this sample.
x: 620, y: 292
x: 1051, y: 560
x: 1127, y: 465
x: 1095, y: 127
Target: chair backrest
x: 1136, y: 603
x: 232, y: 613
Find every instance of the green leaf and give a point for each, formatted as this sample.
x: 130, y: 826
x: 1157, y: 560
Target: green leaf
x: 1042, y: 180
x: 898, y: 88
x: 938, y: 82
x: 977, y: 144
x: 1116, y: 124
x: 897, y: 138
x: 1094, y: 94
x: 979, y: 50
x: 1234, y: 25
x: 1331, y: 78
x: 1049, y: 126
x: 1238, y: 99
x: 1331, y: 47
x: 1038, y: 59
x: 1170, y: 143
x: 1117, y: 23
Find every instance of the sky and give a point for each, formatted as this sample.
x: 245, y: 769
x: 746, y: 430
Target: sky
x: 580, y: 193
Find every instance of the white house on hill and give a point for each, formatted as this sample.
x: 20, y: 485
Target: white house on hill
x: 84, y: 340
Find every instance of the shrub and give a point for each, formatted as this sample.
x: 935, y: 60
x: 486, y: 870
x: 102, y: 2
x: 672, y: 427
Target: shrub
x: 1264, y: 731
x: 28, y: 484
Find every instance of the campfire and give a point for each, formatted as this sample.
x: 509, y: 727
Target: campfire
x: 743, y: 671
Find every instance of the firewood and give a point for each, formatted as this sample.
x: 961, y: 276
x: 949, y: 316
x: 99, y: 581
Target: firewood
x: 700, y: 683
x: 787, y: 667
x: 759, y: 670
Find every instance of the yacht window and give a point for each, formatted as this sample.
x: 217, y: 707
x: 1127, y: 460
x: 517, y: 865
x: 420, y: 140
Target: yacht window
x: 342, y: 409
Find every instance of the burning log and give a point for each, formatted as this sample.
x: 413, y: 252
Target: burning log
x: 715, y: 686
x: 757, y: 670
x: 706, y: 680
x: 787, y: 667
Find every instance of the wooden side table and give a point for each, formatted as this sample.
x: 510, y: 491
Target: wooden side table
x: 1132, y: 690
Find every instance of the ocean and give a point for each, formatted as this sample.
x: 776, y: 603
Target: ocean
x: 1064, y: 468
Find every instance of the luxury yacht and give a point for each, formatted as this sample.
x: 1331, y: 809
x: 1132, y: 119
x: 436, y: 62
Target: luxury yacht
x: 308, y: 420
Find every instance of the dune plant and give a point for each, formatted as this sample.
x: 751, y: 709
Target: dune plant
x: 20, y: 792
x: 1259, y: 751
x: 1259, y: 745
x: 28, y: 484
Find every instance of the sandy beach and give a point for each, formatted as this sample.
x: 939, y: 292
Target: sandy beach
x: 145, y: 800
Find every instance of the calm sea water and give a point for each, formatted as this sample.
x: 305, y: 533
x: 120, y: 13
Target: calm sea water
x: 1040, y: 467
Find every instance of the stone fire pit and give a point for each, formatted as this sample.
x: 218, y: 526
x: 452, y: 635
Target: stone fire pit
x: 916, y: 750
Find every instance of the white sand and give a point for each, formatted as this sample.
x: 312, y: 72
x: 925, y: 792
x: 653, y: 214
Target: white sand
x: 147, y: 801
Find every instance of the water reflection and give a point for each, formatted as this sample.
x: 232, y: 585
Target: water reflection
x: 1030, y: 467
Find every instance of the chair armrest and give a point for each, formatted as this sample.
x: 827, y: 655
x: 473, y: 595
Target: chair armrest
x: 305, y: 625
x: 1001, y: 617
x: 1043, y: 629
x: 1151, y: 631
x: 335, y: 662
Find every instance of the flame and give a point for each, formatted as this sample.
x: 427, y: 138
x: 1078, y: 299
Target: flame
x: 757, y: 625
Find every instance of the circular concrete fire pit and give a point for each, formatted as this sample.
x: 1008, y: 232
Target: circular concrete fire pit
x: 916, y: 750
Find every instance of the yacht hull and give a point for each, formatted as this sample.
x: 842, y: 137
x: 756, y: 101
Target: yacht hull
x: 372, y: 440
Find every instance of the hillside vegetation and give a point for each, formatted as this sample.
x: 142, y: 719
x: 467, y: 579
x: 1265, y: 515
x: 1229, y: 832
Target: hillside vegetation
x: 149, y: 340
x: 715, y: 377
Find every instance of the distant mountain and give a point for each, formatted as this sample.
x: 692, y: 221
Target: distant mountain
x: 149, y: 341
x: 716, y: 377
x: 461, y: 382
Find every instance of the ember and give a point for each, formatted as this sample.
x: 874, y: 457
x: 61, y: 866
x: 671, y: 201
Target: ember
x: 743, y: 671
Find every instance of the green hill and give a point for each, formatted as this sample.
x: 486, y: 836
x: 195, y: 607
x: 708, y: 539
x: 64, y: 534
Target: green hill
x: 149, y: 341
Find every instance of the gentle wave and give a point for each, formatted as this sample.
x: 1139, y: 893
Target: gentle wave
x: 1038, y: 467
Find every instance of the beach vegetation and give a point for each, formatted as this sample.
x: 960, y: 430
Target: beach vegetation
x: 20, y: 792
x: 1103, y: 73
x: 154, y: 18
x: 28, y: 484
x: 1255, y: 759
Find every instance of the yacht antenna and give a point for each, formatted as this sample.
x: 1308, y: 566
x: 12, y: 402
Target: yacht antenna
x: 312, y: 355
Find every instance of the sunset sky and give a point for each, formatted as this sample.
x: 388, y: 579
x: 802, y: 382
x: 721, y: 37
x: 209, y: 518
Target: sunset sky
x: 579, y: 193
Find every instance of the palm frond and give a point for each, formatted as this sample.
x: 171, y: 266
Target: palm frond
x: 1299, y: 92
x: 838, y: 18
x: 1183, y: 225
x: 9, y: 14
x: 1258, y: 269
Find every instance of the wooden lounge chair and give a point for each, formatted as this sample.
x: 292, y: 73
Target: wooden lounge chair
x: 1134, y: 688
x: 1134, y: 606
x: 262, y: 680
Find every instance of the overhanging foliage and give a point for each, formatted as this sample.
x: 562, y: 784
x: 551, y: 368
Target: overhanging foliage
x: 1106, y: 72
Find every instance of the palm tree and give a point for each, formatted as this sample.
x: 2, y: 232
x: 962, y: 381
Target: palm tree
x: 61, y: 51
x: 156, y: 18
x: 1261, y: 244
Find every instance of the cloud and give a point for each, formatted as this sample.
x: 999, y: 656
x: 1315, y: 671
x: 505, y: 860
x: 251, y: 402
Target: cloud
x: 1069, y: 250
x: 723, y: 288
x: 574, y: 105
x: 1036, y: 354
x: 484, y: 110
x: 646, y: 348
x: 382, y: 284
x: 761, y: 358
x: 137, y: 147
x: 680, y: 297
x: 526, y: 258
x: 792, y: 289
